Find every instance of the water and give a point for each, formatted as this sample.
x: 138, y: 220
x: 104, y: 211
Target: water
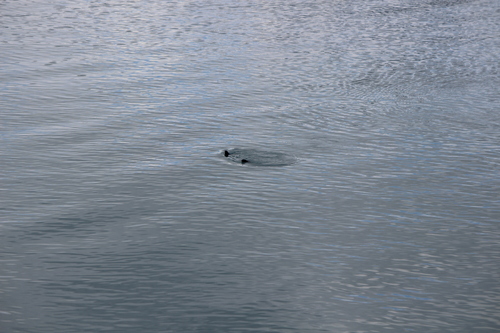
x: 119, y: 212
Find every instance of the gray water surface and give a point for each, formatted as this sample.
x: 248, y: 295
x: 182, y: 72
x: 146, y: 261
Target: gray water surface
x: 119, y: 212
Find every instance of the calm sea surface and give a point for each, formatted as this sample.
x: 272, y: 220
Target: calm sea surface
x: 120, y: 213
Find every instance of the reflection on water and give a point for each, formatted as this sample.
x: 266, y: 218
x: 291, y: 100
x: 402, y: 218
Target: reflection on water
x: 120, y: 212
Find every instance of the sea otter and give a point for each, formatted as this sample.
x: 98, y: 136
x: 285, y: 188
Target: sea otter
x: 226, y: 154
x: 257, y: 157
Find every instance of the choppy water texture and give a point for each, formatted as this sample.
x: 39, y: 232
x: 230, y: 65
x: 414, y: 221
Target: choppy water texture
x: 119, y: 212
